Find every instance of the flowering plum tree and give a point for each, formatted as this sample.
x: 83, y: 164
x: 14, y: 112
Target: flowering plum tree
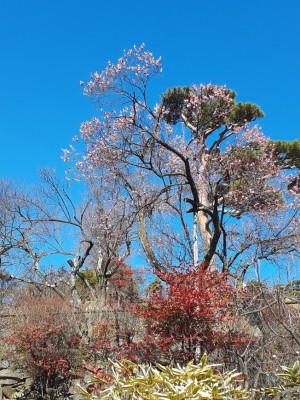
x: 196, y: 148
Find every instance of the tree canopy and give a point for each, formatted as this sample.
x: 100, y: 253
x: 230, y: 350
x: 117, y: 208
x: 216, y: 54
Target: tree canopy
x: 204, y: 184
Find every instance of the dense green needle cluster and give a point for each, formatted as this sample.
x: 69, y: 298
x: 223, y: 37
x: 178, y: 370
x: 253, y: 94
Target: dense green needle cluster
x: 174, y: 102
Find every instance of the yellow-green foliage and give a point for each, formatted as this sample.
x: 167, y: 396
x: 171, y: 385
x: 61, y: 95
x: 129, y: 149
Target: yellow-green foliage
x: 289, y: 387
x: 202, y: 381
x: 140, y: 382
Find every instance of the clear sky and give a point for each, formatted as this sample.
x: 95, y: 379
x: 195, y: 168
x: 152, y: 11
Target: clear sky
x: 48, y: 46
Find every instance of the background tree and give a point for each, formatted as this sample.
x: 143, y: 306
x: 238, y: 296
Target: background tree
x: 46, y: 240
x: 50, y: 249
x: 270, y: 315
x: 288, y: 154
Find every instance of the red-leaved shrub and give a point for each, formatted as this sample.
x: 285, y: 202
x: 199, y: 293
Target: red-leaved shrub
x: 194, y: 314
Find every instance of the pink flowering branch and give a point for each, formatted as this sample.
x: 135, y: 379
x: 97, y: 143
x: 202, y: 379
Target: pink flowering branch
x: 197, y: 145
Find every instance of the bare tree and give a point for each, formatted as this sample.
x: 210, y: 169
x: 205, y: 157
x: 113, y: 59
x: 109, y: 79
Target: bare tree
x: 271, y: 318
x: 47, y: 240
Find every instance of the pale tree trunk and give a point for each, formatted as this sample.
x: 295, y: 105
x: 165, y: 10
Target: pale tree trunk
x: 101, y: 272
x: 150, y: 254
x: 76, y: 300
x: 195, y: 241
x: 203, y: 219
x: 205, y: 232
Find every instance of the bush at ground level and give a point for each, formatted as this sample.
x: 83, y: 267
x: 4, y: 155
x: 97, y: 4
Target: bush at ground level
x: 132, y: 381
x: 202, y: 381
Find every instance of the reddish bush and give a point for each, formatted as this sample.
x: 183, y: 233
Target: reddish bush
x: 195, y: 313
x: 44, y: 336
x: 43, y: 347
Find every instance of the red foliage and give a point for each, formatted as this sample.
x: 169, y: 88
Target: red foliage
x: 122, y: 287
x: 45, y: 338
x: 124, y: 276
x: 196, y: 314
x: 148, y: 349
x: 41, y: 343
x: 101, y: 378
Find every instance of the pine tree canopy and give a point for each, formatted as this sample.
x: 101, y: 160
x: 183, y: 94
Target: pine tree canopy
x: 288, y: 152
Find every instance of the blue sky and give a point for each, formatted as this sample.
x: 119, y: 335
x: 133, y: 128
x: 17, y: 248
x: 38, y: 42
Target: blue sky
x: 48, y: 46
